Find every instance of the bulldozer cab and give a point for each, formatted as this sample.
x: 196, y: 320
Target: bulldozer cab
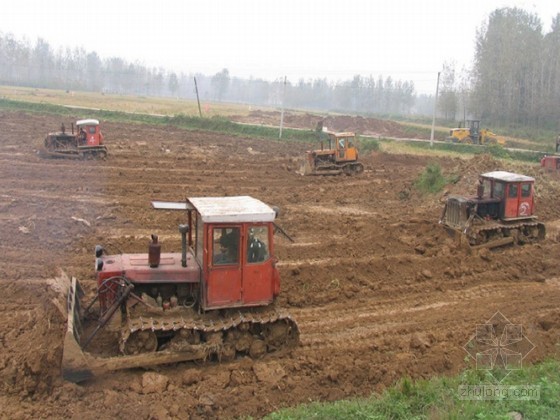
x: 233, y: 244
x: 514, y: 193
x: 89, y: 133
x: 474, y: 127
x: 344, y: 146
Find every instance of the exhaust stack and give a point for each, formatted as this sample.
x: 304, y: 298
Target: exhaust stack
x: 184, y: 230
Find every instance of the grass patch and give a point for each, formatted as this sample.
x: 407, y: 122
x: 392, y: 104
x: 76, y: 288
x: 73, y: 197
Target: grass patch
x: 440, y: 398
x: 218, y: 124
x: 495, y: 150
x: 124, y: 103
x: 368, y: 145
x: 432, y: 180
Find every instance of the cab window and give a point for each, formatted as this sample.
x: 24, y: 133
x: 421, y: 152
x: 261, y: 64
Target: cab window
x: 513, y: 190
x: 225, y: 246
x: 257, y: 244
x: 525, y: 190
x: 487, y: 188
x: 498, y: 190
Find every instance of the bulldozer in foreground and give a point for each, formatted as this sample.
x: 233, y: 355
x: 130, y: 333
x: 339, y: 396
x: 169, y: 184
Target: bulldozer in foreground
x: 340, y: 156
x: 501, y: 213
x: 83, y: 142
x: 214, y: 300
x: 474, y: 135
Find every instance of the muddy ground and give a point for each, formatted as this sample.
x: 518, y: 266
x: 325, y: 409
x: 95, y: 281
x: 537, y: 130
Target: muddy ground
x: 378, y: 289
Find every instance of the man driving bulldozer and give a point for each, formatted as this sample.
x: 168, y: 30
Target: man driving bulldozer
x: 256, y: 249
x: 83, y: 136
x: 228, y: 247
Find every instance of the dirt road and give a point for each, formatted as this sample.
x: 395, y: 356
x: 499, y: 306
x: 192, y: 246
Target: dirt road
x: 378, y: 289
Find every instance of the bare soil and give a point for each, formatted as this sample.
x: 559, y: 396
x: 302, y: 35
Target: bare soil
x: 379, y: 290
x: 363, y: 126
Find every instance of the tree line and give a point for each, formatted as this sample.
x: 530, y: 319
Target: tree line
x: 41, y: 66
x: 514, y: 80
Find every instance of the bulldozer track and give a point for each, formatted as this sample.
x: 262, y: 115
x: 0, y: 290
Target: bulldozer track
x: 253, y: 333
x: 474, y: 232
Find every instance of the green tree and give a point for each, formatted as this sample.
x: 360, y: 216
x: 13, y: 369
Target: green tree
x: 551, y: 75
x: 507, y: 66
x: 94, y: 71
x: 220, y: 84
x: 173, y: 84
x: 447, y: 101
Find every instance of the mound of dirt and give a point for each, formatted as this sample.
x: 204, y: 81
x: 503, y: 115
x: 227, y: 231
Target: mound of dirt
x: 338, y: 123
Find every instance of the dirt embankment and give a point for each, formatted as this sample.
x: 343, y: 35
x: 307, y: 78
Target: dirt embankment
x: 339, y: 123
x: 378, y: 289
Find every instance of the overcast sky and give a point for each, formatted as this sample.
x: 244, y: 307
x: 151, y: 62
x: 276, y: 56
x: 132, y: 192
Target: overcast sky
x: 336, y: 39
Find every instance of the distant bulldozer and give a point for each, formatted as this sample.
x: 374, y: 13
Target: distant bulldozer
x: 552, y: 162
x: 340, y: 156
x: 85, y: 143
x: 501, y: 213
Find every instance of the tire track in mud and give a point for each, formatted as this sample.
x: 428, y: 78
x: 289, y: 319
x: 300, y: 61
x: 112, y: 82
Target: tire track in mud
x: 358, y: 326
x: 57, y: 198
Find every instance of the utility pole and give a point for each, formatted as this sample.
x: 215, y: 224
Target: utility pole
x: 197, y: 98
x: 435, y: 107
x: 282, y: 113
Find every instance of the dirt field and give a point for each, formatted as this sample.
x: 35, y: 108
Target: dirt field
x: 378, y: 289
x: 360, y: 125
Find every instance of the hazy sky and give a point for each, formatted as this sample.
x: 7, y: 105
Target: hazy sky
x: 336, y: 39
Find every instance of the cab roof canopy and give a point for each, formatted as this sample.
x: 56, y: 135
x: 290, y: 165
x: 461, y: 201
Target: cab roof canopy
x: 507, y: 176
x: 239, y: 209
x: 87, y: 122
x: 342, y: 134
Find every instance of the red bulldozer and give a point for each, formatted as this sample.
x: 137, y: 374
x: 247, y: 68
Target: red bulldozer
x: 85, y: 141
x: 552, y: 162
x: 214, y: 300
x: 501, y: 213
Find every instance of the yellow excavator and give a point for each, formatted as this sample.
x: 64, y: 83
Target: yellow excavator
x: 474, y: 135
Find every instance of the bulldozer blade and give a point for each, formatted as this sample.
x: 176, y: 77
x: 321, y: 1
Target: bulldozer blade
x: 305, y: 168
x: 79, y: 366
x: 494, y: 244
x: 463, y: 243
x: 75, y: 367
x: 328, y: 172
x: 74, y: 364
